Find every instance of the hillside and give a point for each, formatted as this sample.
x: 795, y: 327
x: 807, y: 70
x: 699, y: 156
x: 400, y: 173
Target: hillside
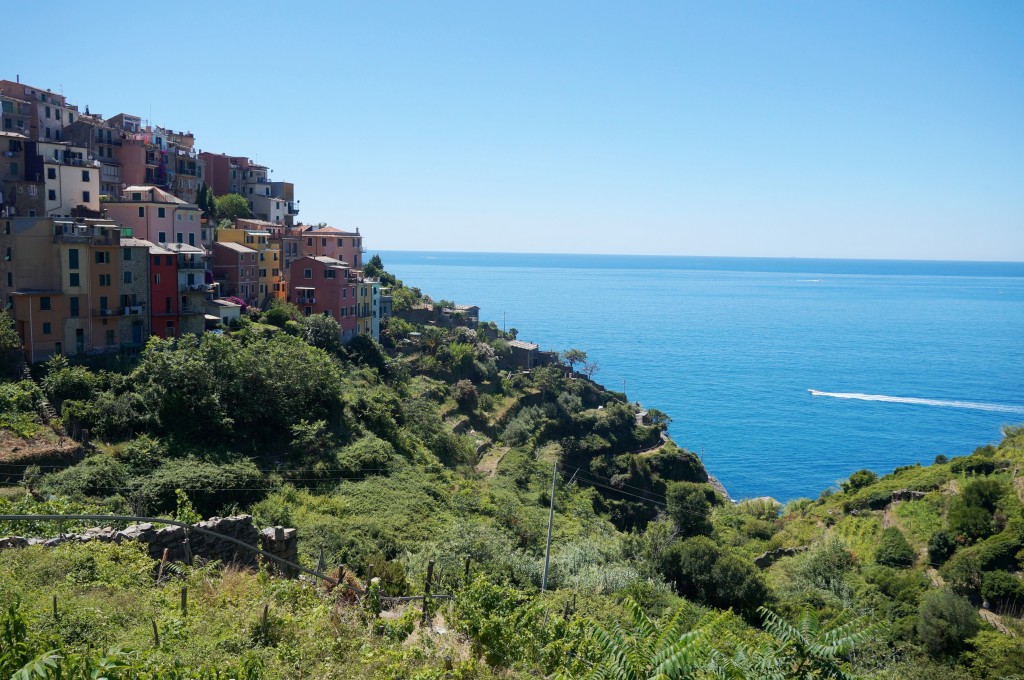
x: 433, y: 447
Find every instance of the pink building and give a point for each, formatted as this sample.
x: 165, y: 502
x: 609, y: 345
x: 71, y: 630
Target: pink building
x: 346, y: 246
x: 324, y: 285
x: 158, y: 216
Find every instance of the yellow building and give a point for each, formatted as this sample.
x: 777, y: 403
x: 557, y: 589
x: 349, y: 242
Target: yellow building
x: 272, y: 280
x: 368, y: 308
x: 62, y: 279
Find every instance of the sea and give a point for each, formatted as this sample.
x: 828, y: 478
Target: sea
x: 784, y: 375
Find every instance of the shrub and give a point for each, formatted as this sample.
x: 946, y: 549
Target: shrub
x: 893, y: 550
x: 19, y: 397
x: 858, y: 480
x: 466, y: 395
x: 963, y: 572
x: 689, y: 506
x: 941, y: 547
x: 970, y: 521
x: 700, y: 570
x: 96, y: 476
x: 945, y: 621
x: 1003, y: 591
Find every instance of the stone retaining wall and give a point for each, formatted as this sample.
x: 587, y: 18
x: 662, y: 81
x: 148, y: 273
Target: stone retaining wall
x: 182, y: 545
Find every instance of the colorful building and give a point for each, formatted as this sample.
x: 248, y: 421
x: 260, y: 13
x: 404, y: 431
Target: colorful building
x: 346, y: 246
x: 61, y: 278
x: 236, y: 270
x: 323, y: 285
x: 272, y: 280
x: 48, y: 112
x: 157, y: 215
x: 368, y: 308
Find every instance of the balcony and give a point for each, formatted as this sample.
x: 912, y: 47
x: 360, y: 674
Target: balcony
x: 116, y: 311
x: 195, y: 288
x: 79, y: 237
x: 305, y: 301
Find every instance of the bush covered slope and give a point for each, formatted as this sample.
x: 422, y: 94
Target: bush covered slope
x: 430, y: 449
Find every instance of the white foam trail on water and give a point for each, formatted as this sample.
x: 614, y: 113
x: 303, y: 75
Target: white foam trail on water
x: 977, y: 406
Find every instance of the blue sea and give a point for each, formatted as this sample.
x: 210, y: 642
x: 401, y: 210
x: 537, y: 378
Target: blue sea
x: 910, y: 359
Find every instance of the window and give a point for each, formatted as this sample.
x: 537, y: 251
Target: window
x: 191, y: 217
x: 323, y: 242
x: 168, y: 261
x: 102, y: 257
x: 47, y: 111
x: 344, y: 292
x: 85, y: 175
x: 307, y: 273
x: 74, y: 306
x: 162, y: 237
x: 7, y: 253
x: 86, y: 197
x: 142, y: 211
x: 127, y: 277
x: 126, y: 254
x: 309, y: 311
x: 161, y: 212
x: 51, y: 173
x: 73, y: 258
x: 343, y: 312
x: 263, y: 273
x: 191, y: 239
x: 104, y: 279
x: 167, y: 305
x: 14, y: 168
x: 203, y: 235
x: 181, y: 238
x: 74, y: 280
x: 110, y: 338
x: 309, y: 242
x: 156, y: 279
x: 44, y: 304
x: 103, y: 302
x: 329, y: 274
x: 51, y: 195
x: 47, y: 329
x: 136, y: 196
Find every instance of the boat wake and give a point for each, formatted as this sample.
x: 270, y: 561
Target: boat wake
x: 974, y: 405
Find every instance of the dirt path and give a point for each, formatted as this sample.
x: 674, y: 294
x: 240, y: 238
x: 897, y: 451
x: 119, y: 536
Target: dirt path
x: 996, y: 621
x: 488, y: 465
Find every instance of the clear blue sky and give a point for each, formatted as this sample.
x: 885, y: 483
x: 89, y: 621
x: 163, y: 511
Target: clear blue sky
x: 792, y: 129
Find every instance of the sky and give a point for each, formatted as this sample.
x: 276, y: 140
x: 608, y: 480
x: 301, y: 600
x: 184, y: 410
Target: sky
x: 864, y: 129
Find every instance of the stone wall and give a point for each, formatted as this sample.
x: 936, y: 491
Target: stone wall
x: 182, y: 544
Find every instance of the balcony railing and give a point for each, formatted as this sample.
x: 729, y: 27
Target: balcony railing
x: 306, y: 301
x: 195, y: 288
x: 86, y: 238
x: 116, y: 311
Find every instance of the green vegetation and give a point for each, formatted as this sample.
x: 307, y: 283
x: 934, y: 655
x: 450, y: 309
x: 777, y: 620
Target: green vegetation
x: 432, y: 447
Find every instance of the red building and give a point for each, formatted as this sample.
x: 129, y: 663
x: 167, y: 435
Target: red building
x: 165, y: 316
x: 346, y: 246
x: 236, y: 269
x: 324, y: 285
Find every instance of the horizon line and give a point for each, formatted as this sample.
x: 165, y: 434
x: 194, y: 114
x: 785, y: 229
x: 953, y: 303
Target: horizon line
x: 719, y: 257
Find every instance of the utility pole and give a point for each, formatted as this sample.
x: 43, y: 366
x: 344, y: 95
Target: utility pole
x: 551, y: 519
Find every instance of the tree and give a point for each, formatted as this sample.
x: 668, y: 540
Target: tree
x: 281, y: 313
x: 666, y: 650
x: 808, y: 651
x: 589, y: 369
x: 859, y: 480
x: 206, y: 201
x: 945, y: 620
x: 323, y: 331
x: 940, y: 547
x: 375, y: 267
x: 702, y: 571
x: 658, y: 419
x: 689, y: 506
x: 232, y: 206
x: 893, y: 550
x: 573, y: 357
x: 10, y: 343
x: 466, y: 395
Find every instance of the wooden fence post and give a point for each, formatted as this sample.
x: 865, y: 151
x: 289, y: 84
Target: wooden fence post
x: 184, y: 601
